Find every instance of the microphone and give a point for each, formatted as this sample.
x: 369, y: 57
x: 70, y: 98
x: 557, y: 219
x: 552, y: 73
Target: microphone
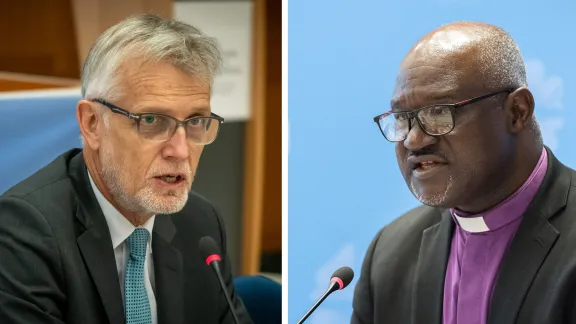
x: 341, y: 278
x: 210, y: 253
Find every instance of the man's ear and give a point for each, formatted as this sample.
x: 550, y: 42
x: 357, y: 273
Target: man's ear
x: 519, y: 108
x: 89, y: 119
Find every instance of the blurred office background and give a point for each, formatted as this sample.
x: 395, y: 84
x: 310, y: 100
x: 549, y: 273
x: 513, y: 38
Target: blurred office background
x: 42, y: 46
x: 344, y: 180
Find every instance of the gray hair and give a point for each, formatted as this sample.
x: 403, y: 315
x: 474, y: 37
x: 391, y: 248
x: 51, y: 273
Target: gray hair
x: 148, y: 39
x: 502, y: 66
x: 500, y: 60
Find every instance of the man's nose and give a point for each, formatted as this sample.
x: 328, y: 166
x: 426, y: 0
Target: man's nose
x: 177, y: 146
x: 417, y: 139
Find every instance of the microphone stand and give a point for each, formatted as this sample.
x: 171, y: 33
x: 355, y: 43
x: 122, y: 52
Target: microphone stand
x: 326, y: 294
x: 221, y: 280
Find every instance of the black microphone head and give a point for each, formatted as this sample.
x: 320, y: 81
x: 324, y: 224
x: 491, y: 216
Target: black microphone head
x: 343, y: 277
x: 209, y: 249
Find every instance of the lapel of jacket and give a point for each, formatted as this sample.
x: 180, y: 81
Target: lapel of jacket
x: 531, y: 244
x: 430, y: 271
x: 95, y: 243
x: 168, y: 272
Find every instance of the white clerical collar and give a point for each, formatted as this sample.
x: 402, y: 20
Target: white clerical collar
x: 472, y: 224
x: 510, y: 209
x: 120, y: 228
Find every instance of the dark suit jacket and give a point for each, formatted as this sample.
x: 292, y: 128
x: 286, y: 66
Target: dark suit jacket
x: 402, y: 279
x: 57, y: 263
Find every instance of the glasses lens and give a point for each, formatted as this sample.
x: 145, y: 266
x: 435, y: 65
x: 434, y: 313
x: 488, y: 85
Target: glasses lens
x: 156, y: 127
x: 436, y: 120
x: 203, y: 130
x: 394, y: 126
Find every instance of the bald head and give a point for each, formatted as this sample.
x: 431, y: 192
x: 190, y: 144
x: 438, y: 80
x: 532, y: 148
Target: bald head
x: 461, y: 105
x: 472, y: 50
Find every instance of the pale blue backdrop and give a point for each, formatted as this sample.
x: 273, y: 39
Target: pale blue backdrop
x: 34, y: 130
x: 344, y: 183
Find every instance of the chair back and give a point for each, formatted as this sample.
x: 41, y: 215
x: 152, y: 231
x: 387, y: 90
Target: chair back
x: 262, y: 298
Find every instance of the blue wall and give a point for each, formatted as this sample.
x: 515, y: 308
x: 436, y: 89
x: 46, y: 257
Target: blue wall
x: 33, y: 132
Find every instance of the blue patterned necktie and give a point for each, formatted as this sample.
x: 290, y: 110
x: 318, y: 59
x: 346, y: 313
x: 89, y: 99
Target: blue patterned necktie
x: 136, y: 298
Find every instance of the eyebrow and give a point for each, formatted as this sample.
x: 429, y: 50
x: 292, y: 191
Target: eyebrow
x: 205, y: 110
x: 439, y: 99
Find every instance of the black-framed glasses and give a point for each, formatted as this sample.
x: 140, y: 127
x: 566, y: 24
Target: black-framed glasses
x: 434, y: 120
x: 201, y: 130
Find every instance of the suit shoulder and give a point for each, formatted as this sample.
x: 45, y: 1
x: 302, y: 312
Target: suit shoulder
x: 409, y: 226
x: 198, y: 202
x: 43, y: 182
x: 198, y: 212
x: 418, y: 218
x: 199, y: 218
x: 394, y: 249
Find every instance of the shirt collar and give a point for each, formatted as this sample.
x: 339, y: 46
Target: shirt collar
x: 510, y: 209
x: 120, y: 228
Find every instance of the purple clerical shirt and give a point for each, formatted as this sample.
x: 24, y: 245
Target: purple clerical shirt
x: 478, y: 246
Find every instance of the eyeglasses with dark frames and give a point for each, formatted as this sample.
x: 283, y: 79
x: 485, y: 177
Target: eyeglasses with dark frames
x: 434, y: 120
x: 156, y: 127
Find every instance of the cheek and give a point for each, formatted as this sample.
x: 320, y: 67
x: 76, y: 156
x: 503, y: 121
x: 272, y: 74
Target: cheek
x: 140, y: 160
x: 485, y: 131
x: 195, y: 153
x: 473, y: 154
x: 131, y: 151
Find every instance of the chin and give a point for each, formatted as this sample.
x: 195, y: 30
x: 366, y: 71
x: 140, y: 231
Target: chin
x: 430, y: 200
x: 163, y: 202
x: 433, y: 198
x: 434, y: 202
x: 167, y: 205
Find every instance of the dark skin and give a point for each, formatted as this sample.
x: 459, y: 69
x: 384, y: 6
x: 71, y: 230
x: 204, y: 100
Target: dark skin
x: 492, y: 149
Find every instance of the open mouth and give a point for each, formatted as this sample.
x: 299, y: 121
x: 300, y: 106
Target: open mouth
x: 171, y: 179
x: 422, y: 166
x: 427, y: 169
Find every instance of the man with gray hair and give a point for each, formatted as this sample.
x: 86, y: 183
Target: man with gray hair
x: 110, y: 233
x: 494, y: 241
